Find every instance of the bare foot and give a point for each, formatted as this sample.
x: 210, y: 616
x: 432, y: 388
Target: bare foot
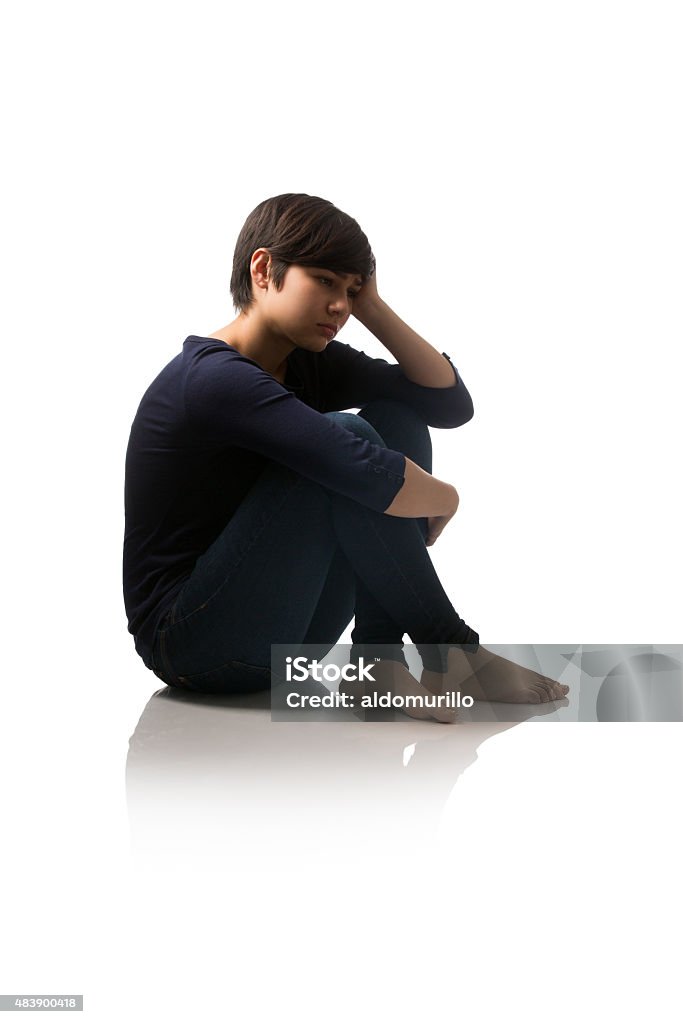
x: 487, y: 676
x: 394, y: 679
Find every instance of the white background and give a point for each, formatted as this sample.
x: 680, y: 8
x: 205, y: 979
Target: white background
x: 517, y: 169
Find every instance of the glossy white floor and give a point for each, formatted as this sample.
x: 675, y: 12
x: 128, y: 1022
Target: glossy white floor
x: 210, y: 778
x: 411, y: 868
x: 223, y: 864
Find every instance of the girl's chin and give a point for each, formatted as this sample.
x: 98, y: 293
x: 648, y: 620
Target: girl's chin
x: 317, y: 343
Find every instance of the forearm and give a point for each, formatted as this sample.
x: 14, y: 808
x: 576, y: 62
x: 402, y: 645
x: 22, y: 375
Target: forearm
x: 419, y: 361
x: 422, y: 495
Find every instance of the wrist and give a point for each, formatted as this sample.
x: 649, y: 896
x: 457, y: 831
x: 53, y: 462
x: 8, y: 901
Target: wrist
x: 455, y: 501
x: 370, y: 311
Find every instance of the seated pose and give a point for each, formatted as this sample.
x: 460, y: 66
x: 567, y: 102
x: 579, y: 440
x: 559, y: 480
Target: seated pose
x: 259, y: 512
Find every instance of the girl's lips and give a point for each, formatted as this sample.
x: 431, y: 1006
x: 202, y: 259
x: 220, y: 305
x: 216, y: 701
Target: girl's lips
x: 329, y: 331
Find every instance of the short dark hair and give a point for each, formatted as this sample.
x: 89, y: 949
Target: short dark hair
x: 303, y: 229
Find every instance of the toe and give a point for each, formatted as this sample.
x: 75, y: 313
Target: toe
x: 553, y: 689
x: 556, y: 690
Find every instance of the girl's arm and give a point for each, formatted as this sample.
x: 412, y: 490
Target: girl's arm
x: 419, y: 361
x: 422, y: 494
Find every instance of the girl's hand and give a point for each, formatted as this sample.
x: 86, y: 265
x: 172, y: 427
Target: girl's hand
x: 367, y: 298
x: 435, y: 524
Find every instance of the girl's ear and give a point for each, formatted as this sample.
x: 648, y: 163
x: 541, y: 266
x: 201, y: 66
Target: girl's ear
x: 260, y: 268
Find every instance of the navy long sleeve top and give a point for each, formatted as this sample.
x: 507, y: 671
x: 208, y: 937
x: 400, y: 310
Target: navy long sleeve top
x: 209, y: 424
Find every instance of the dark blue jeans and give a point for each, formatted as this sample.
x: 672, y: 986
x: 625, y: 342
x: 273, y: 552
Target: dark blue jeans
x: 296, y: 562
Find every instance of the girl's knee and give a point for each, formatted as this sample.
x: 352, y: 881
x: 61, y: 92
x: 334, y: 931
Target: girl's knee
x: 357, y: 425
x: 389, y: 412
x: 391, y: 424
x: 402, y: 429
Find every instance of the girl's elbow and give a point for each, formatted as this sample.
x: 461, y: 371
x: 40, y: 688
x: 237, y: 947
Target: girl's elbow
x: 462, y: 416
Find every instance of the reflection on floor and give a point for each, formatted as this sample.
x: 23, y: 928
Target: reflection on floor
x: 210, y: 778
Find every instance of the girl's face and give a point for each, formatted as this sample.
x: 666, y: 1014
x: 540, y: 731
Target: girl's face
x: 311, y: 297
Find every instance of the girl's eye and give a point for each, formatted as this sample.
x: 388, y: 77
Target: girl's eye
x: 328, y: 280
